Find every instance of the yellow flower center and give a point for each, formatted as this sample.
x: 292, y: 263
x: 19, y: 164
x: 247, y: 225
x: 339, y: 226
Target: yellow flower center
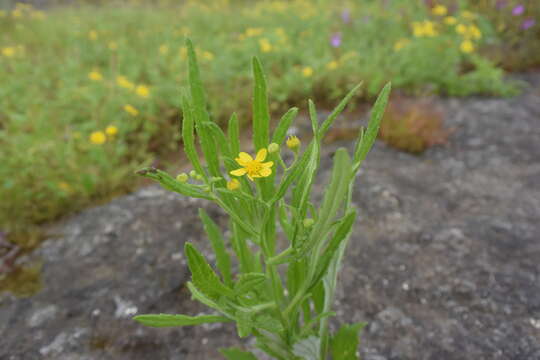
x: 254, y: 168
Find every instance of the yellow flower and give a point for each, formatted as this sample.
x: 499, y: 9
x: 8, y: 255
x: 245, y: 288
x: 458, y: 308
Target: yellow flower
x: 97, y: 137
x: 467, y: 46
x: 400, y: 44
x: 461, y: 29
x: 112, y: 45
x: 131, y: 110
x: 332, y: 65
x: 254, y: 168
x: 265, y: 45
x: 293, y: 142
x: 123, y: 82
x: 474, y: 32
x: 163, y: 49
x: 143, y: 91
x: 424, y: 28
x: 450, y: 20
x: 95, y: 76
x: 92, y: 35
x: 233, y: 184
x: 207, y: 55
x: 253, y: 32
x: 440, y: 10
x: 468, y: 15
x: 111, y: 130
x: 307, y: 71
x: 8, y: 51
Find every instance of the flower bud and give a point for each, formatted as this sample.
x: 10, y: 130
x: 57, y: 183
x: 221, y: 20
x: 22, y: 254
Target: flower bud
x: 293, y: 143
x: 183, y: 177
x: 308, y: 222
x: 233, y: 184
x: 193, y: 173
x: 198, y: 177
x: 273, y: 147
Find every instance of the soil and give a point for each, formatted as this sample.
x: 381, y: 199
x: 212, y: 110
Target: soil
x: 444, y: 262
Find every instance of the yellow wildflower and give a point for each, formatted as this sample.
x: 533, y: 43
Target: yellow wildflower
x: 474, y: 32
x: 332, y: 65
x: 254, y: 168
x: 440, y: 10
x: 250, y: 32
x: 307, y: 71
x: 461, y: 29
x: 92, y: 35
x: 123, y: 82
x: 16, y: 13
x: 8, y: 51
x: 64, y: 186
x: 401, y: 43
x: 97, y: 137
x: 112, y: 45
x: 111, y: 130
x: 265, y: 45
x: 424, y: 28
x: 450, y: 20
x: 468, y: 15
x: 207, y: 55
x: 233, y: 184
x: 467, y: 46
x: 293, y: 142
x: 143, y: 91
x: 163, y: 49
x: 95, y: 76
x: 131, y: 110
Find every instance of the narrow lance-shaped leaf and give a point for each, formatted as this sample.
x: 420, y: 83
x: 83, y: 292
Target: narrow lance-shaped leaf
x: 167, y: 182
x: 332, y: 117
x: 237, y: 354
x: 168, y: 320
x: 223, y: 259
x: 195, y: 85
x: 233, y: 134
x: 367, y: 139
x: 261, y: 116
x: 280, y: 133
x: 248, y: 282
x: 188, y: 136
x: 344, y: 343
x: 204, y: 277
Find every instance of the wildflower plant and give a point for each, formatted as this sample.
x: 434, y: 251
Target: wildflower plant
x: 281, y: 292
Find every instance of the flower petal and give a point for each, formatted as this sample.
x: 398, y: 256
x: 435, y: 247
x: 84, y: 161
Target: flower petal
x: 243, y: 159
x: 239, y: 172
x: 268, y: 164
x: 265, y: 172
x: 261, y: 155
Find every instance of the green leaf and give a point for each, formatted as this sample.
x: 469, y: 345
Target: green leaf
x: 307, y: 327
x: 237, y: 354
x: 223, y: 259
x: 167, y: 320
x: 344, y: 343
x: 280, y: 133
x: 248, y: 281
x: 342, y: 232
x: 195, y: 85
x: 167, y: 182
x: 313, y: 117
x: 367, y: 139
x: 196, y: 294
x: 188, y: 136
x: 233, y: 134
x: 308, y: 349
x: 268, y: 323
x: 219, y: 138
x: 332, y: 117
x: 204, y: 277
x: 244, y: 324
x: 261, y: 116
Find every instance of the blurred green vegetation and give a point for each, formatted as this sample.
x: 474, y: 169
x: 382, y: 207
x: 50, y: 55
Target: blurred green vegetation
x: 89, y: 94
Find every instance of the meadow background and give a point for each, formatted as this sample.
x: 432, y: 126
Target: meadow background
x: 90, y: 92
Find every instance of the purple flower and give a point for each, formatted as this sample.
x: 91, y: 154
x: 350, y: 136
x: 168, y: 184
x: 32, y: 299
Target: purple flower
x: 518, y: 10
x: 346, y: 16
x: 335, y: 41
x: 528, y: 23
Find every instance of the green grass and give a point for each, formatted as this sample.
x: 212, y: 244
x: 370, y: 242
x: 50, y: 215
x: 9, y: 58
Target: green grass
x: 70, y: 72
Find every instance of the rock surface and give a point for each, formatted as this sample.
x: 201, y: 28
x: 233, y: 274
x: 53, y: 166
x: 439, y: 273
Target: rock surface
x: 444, y: 262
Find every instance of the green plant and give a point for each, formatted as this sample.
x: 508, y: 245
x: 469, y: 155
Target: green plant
x: 282, y: 293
